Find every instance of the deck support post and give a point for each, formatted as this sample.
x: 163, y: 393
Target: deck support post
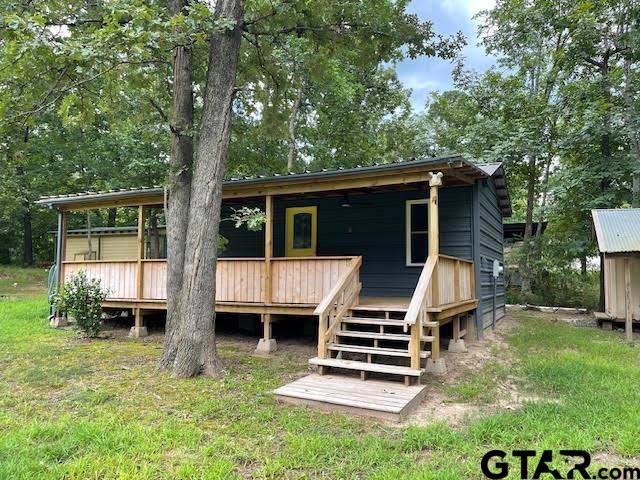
x: 628, y: 327
x: 456, y: 344
x: 436, y: 365
x: 266, y: 344
x: 138, y: 330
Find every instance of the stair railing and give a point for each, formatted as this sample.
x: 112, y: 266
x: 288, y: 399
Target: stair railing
x: 342, y: 297
x: 416, y: 315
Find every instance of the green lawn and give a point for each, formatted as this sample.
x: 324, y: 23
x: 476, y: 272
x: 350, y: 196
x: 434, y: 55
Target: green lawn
x: 77, y: 409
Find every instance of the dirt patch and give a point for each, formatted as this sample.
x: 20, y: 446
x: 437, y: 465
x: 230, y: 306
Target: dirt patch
x: 440, y: 405
x: 613, y: 460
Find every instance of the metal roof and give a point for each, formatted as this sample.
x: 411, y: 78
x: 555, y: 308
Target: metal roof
x: 617, y: 230
x: 488, y: 170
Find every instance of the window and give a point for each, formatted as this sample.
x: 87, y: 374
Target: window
x: 417, y: 241
x: 302, y: 230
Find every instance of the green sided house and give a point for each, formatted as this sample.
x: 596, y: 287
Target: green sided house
x: 383, y: 256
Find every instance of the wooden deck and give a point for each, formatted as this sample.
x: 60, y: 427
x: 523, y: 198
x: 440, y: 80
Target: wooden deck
x: 338, y: 393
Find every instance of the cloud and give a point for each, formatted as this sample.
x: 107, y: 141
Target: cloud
x: 427, y: 74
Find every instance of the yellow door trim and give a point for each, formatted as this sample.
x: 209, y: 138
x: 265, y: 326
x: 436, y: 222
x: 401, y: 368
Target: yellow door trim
x: 290, y: 251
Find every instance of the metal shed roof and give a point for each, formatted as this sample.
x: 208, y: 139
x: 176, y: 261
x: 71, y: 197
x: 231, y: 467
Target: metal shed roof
x: 494, y: 170
x: 617, y: 230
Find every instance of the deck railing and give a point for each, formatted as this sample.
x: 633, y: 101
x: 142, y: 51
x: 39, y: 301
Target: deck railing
x: 336, y: 303
x: 444, y: 281
x: 294, y: 280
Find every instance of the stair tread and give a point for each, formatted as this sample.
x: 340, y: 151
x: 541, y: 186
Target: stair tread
x: 375, y: 335
x: 364, y: 366
x: 392, y: 352
x: 373, y: 321
x: 379, y: 308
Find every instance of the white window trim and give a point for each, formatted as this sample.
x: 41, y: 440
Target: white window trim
x: 407, y: 222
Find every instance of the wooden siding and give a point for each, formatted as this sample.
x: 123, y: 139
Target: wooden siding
x: 119, y: 278
x: 374, y: 227
x: 305, y: 280
x: 242, y: 280
x: 154, y: 279
x: 490, y: 235
x: 614, y: 287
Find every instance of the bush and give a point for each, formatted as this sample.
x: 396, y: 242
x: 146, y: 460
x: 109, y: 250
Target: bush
x: 82, y: 299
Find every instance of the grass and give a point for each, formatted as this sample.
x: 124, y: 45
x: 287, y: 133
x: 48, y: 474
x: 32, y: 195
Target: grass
x: 17, y: 282
x: 79, y: 409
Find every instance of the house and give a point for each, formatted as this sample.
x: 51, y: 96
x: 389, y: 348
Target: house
x: 109, y: 243
x: 384, y: 256
x: 618, y: 235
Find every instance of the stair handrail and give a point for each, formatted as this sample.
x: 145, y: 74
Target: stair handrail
x: 336, y: 303
x: 420, y: 297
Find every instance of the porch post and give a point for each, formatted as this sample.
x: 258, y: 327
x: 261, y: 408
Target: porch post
x: 267, y: 344
x: 55, y: 319
x: 268, y: 248
x: 435, y: 365
x: 434, y: 234
x: 139, y: 330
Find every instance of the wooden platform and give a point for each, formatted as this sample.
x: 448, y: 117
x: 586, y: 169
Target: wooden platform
x: 337, y: 393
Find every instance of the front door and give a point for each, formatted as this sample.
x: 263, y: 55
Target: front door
x: 302, y: 231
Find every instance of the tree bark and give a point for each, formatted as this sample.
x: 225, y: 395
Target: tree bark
x: 154, y: 250
x: 528, y: 226
x: 291, y: 158
x: 190, y: 341
x: 180, y: 174
x: 633, y: 125
x: 27, y: 234
x: 112, y: 215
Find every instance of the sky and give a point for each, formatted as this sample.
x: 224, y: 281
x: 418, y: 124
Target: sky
x: 425, y: 75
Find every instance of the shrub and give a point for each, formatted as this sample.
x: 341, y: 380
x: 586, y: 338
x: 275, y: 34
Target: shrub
x: 82, y: 299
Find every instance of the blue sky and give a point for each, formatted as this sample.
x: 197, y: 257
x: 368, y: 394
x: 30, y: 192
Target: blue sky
x: 424, y: 75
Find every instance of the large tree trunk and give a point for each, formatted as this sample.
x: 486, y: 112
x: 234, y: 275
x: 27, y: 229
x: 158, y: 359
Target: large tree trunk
x: 27, y: 233
x: 293, y: 118
x: 190, y: 342
x: 528, y: 226
x: 180, y: 174
x: 633, y: 125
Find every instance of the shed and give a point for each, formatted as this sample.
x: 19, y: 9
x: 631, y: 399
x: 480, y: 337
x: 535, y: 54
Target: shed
x: 618, y: 235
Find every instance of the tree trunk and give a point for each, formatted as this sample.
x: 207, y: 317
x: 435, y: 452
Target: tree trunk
x: 528, y: 226
x: 583, y: 266
x: 180, y: 174
x: 27, y: 234
x: 633, y: 125
x: 154, y: 234
x: 190, y: 342
x: 291, y: 158
x: 112, y: 214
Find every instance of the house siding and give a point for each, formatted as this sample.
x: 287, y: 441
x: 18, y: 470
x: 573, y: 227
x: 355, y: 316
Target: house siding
x: 374, y: 227
x: 489, y: 247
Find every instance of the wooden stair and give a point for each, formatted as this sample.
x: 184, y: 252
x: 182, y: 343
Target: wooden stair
x: 371, y: 339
